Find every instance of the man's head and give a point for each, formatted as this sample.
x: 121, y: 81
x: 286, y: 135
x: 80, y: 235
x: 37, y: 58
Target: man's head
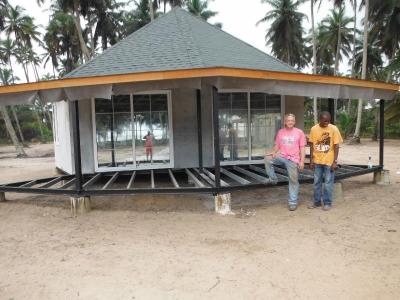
x: 324, y: 119
x: 290, y: 120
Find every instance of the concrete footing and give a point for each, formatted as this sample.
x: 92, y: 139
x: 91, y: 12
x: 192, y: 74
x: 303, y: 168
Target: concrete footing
x: 223, y: 204
x: 80, y: 205
x: 338, y: 192
x: 2, y: 196
x: 382, y: 177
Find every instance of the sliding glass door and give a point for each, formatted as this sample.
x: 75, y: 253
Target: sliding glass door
x: 132, y: 131
x: 248, y: 123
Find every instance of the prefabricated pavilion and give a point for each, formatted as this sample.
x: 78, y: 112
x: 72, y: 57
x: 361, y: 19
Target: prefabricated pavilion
x: 210, y: 103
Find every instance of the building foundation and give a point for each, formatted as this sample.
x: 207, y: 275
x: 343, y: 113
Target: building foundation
x: 223, y: 204
x: 2, y: 196
x: 80, y: 205
x: 382, y: 177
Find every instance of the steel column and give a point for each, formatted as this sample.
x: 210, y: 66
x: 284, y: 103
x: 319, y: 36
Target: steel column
x: 217, y: 166
x: 381, y: 130
x: 77, y: 146
x: 199, y: 129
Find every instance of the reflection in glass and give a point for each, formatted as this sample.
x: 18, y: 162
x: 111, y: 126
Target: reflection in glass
x: 116, y: 131
x: 265, y: 122
x: 233, y: 126
x: 151, y: 129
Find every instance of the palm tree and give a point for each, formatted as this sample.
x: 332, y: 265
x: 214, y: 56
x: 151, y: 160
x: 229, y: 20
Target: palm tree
x: 5, y: 77
x: 137, y: 18
x: 314, y: 45
x: 329, y: 39
x: 200, y: 8
x: 62, y: 38
x: 286, y: 31
x: 3, y: 10
x: 76, y: 9
x: 356, y: 136
x: 374, y: 59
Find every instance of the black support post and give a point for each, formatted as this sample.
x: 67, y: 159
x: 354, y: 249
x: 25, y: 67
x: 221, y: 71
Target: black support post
x: 381, y: 130
x: 112, y: 140
x: 77, y: 146
x: 331, y: 109
x: 199, y: 129
x: 216, y: 138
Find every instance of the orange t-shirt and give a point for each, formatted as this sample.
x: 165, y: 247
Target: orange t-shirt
x: 324, y: 139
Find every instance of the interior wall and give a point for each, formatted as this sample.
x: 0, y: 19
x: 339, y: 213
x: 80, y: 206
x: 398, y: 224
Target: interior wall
x: 62, y: 137
x: 184, y: 123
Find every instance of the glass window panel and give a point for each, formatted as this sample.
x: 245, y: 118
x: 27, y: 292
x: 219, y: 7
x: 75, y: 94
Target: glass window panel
x: 159, y: 102
x: 239, y: 101
x: 141, y: 103
x: 224, y: 101
x: 103, y: 105
x: 122, y: 103
x: 257, y: 101
x: 273, y: 103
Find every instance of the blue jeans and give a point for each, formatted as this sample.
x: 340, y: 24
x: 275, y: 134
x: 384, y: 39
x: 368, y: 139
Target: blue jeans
x: 292, y: 170
x: 322, y: 172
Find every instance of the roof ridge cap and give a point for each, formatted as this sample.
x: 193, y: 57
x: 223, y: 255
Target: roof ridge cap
x: 195, y: 49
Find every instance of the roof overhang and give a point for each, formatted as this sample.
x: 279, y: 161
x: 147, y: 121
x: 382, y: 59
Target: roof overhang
x: 297, y: 84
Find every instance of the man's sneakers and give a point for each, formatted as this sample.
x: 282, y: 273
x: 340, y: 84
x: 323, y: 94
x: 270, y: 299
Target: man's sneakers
x: 314, y: 205
x: 325, y: 207
x: 292, y: 207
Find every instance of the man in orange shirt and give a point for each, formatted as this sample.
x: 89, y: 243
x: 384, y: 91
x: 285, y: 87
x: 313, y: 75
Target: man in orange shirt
x: 325, y: 139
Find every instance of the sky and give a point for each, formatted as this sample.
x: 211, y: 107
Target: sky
x: 238, y: 17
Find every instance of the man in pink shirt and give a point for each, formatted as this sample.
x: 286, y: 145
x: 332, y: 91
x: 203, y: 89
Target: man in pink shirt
x: 288, y: 152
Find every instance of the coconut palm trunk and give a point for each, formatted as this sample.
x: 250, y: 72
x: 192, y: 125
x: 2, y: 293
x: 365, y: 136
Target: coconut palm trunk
x: 356, y: 137
x: 337, y: 57
x: 21, y: 136
x: 354, y: 2
x: 315, y: 102
x: 151, y: 10
x: 11, y: 132
x: 77, y: 22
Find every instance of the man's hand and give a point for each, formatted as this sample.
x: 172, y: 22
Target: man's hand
x: 334, y: 166
x: 301, y: 165
x: 312, y: 166
x: 272, y: 154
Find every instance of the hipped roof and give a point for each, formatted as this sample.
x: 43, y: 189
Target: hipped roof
x: 180, y: 46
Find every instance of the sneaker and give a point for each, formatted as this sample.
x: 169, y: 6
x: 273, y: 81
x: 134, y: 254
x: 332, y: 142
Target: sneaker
x: 327, y: 207
x: 314, y: 205
x: 292, y: 207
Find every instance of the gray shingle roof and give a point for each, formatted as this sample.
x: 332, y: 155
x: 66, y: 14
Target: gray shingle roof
x: 178, y: 40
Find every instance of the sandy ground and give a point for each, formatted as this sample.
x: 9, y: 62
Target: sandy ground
x: 158, y: 247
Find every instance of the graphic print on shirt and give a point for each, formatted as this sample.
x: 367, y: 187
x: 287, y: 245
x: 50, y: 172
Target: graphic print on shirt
x: 323, y: 143
x: 288, y: 140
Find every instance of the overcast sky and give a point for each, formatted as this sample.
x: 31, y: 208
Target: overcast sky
x: 238, y: 17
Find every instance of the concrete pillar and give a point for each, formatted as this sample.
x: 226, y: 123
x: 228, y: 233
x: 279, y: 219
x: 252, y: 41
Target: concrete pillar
x: 382, y: 177
x: 223, y: 204
x: 80, y: 205
x: 338, y: 192
x: 2, y: 197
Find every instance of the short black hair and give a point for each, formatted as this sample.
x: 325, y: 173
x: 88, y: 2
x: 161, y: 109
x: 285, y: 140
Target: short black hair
x: 324, y: 114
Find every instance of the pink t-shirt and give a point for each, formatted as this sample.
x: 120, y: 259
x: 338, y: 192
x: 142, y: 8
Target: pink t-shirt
x: 289, y: 142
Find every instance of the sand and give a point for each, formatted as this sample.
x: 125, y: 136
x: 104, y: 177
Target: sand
x: 175, y: 247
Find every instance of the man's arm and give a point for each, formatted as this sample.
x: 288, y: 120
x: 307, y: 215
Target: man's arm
x: 273, y: 152
x: 336, y: 154
x: 302, y: 157
x: 311, y: 155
